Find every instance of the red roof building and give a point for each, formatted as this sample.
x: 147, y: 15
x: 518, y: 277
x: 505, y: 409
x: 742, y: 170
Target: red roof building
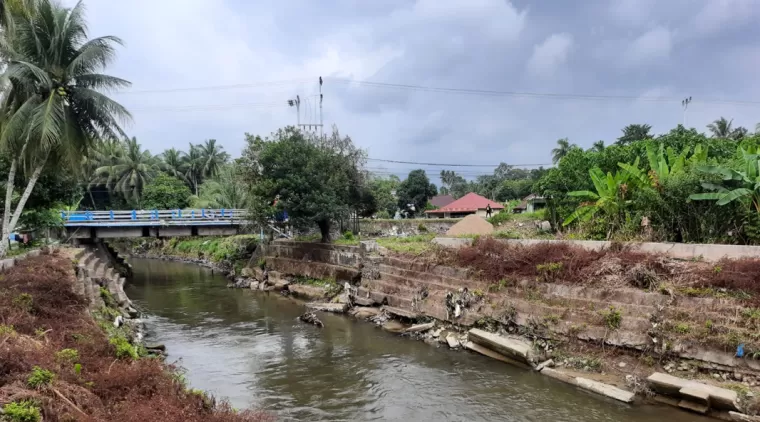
x: 472, y: 203
x: 441, y: 201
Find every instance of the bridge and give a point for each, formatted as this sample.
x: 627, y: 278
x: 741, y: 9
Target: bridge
x: 153, y: 223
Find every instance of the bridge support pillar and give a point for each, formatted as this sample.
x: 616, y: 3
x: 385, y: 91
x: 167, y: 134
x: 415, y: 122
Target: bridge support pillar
x: 217, y: 231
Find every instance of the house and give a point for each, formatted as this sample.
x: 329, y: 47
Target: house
x: 472, y: 203
x: 441, y: 201
x: 530, y: 203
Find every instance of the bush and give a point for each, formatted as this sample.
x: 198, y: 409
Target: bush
x: 22, y: 411
x: 124, y: 349
x: 40, y: 377
x: 612, y: 317
x: 67, y: 355
x: 500, y: 218
x: 166, y: 193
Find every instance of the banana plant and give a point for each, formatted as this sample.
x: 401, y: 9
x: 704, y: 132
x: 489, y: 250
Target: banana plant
x: 663, y: 163
x: 737, y: 185
x: 610, y: 198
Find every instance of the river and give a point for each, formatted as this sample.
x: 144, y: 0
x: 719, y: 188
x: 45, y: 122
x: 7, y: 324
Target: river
x: 249, y: 348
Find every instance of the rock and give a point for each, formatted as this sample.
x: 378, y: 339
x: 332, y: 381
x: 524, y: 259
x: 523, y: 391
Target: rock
x: 362, y: 312
x: 741, y: 417
x: 544, y: 364
x: 512, y: 348
x: 254, y: 285
x: 544, y: 226
x: 337, y: 308
x: 605, y: 389
x: 311, y: 318
x: 452, y: 340
x: 240, y: 283
x: 437, y: 333
x: 716, y: 375
x: 622, y: 365
x: 420, y: 327
x: 738, y: 376
x: 305, y: 291
x: 118, y: 321
x: 132, y: 312
x: 156, y: 346
x: 393, y: 326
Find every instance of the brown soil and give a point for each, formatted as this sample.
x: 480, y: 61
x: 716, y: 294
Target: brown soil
x: 105, y: 388
x: 472, y: 224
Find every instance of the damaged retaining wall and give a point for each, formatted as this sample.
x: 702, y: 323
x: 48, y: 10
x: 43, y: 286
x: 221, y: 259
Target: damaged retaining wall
x: 544, y: 314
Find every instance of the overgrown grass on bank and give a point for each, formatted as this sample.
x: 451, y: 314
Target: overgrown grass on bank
x: 58, y: 363
x: 215, y: 249
x: 410, y: 244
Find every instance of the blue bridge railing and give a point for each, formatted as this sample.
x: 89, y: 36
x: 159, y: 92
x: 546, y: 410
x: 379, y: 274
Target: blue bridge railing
x: 199, y: 216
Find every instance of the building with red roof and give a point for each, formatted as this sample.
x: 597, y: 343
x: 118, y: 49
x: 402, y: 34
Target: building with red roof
x: 472, y: 203
x: 441, y: 201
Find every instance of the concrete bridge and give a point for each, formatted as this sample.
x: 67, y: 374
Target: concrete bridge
x: 153, y: 223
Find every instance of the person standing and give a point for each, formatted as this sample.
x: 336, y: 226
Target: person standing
x: 488, y: 211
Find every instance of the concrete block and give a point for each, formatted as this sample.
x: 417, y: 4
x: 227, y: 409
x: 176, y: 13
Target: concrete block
x: 420, y: 327
x: 558, y: 375
x: 694, y: 407
x: 605, y: 389
x: 403, y: 313
x: 363, y: 301
x: 510, y: 347
x: 494, y: 355
x: 666, y: 384
x: 452, y: 341
x: 306, y: 292
x: 363, y: 312
x: 695, y: 393
x: 720, y: 398
x: 741, y: 417
x: 117, y: 232
x: 337, y: 308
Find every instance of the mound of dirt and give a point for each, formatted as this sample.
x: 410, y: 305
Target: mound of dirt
x: 472, y: 224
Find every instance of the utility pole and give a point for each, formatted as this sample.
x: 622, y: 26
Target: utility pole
x: 685, y: 103
x: 297, y: 104
x: 321, y: 120
x: 310, y: 113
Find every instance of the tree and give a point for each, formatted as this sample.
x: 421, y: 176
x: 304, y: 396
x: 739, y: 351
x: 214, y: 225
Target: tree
x: 721, y: 128
x: 315, y: 179
x: 130, y: 173
x: 453, y: 184
x: 172, y: 163
x: 563, y: 148
x: 212, y: 158
x: 598, y: 146
x: 634, y: 132
x: 193, y: 163
x: 416, y: 190
x: 225, y: 190
x: 165, y: 192
x: 52, y: 104
x: 737, y: 185
x: 384, y: 189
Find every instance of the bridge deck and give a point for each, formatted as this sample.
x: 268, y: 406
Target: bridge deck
x: 154, y: 218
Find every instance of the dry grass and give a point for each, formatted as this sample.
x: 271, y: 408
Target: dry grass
x: 37, y: 300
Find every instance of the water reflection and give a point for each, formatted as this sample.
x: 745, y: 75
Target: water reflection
x: 248, y: 347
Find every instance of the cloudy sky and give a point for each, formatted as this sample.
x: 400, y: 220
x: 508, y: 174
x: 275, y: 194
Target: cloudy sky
x: 219, y: 68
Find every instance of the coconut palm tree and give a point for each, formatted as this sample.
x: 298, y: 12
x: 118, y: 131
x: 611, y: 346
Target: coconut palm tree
x: 563, y: 148
x: 721, y: 128
x: 172, y: 163
x: 131, y: 172
x: 225, y: 190
x: 213, y: 157
x: 633, y: 133
x: 51, y: 103
x: 598, y: 146
x: 193, y: 163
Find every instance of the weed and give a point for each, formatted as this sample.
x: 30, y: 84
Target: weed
x: 709, y: 325
x: 612, y: 317
x: 7, y: 330
x: 576, y: 329
x: 478, y: 293
x: 261, y: 263
x: 40, y: 377
x: 742, y: 390
x: 40, y: 333
x: 21, y: 411
x: 534, y: 294
x: 349, y: 235
x: 124, y: 349
x: 24, y: 301
x: 422, y: 228
x: 108, y: 298
x: 552, y: 319
x: 505, y: 234
x: 682, y: 328
x: 717, y: 269
x: 78, y: 368
x: 549, y: 271
x: 67, y: 355
x: 648, y: 360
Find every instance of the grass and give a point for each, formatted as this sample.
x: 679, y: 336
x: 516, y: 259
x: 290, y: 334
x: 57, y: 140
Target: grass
x: 216, y: 249
x: 411, y: 245
x: 22, y: 411
x: 40, y: 377
x: 612, y: 317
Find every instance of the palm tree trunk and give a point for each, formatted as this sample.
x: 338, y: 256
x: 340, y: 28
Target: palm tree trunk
x: 22, y: 202
x: 94, y: 207
x: 7, y: 210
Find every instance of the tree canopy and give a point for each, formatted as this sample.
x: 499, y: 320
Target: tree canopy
x: 165, y: 193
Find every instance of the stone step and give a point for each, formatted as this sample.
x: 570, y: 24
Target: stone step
x: 445, y: 282
x: 719, y: 398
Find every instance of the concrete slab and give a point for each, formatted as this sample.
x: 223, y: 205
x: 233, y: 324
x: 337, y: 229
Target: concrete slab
x: 491, y: 354
x: 305, y: 291
x: 605, y: 389
x: 695, y: 393
x: 338, y: 308
x: 403, y: 313
x: 723, y: 398
x: 720, y: 398
x: 510, y: 347
x: 452, y: 340
x: 666, y: 384
x: 420, y: 327
x: 558, y: 375
x: 741, y: 417
x: 363, y: 312
x: 363, y: 301
x: 694, y: 407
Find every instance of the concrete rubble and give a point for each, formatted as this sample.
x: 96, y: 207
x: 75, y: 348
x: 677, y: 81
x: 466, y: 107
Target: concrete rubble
x: 700, y: 393
x: 516, y: 349
x: 420, y: 327
x: 605, y: 389
x: 338, y: 308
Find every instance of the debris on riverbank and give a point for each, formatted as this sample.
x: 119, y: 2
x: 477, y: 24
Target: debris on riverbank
x: 57, y: 362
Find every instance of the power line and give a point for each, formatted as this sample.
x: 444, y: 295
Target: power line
x: 213, y: 87
x: 454, y: 165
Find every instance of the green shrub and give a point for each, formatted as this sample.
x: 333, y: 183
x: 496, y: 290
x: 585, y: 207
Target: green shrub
x: 7, y: 330
x: 124, y: 349
x: 500, y: 218
x: 612, y: 317
x: 24, y: 301
x: 67, y: 355
x: 348, y: 235
x: 682, y: 328
x: 21, y: 411
x: 422, y: 228
x: 506, y: 234
x: 40, y: 377
x: 549, y: 271
x: 261, y: 263
x: 108, y: 298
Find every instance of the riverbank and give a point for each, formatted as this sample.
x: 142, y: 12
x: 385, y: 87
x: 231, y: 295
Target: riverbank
x: 60, y: 359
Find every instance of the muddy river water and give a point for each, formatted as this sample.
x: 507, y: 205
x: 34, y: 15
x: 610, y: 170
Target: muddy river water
x: 248, y: 348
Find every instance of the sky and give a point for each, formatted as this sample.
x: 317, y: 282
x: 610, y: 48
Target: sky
x: 204, y: 69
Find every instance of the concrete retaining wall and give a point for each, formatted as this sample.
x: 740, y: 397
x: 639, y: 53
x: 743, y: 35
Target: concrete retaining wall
x: 707, y: 252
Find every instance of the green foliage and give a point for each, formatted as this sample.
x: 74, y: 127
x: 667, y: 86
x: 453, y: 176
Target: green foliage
x: 123, y: 348
x: 317, y: 180
x: 500, y: 218
x: 612, y: 317
x: 414, y: 192
x: 24, y: 301
x: 217, y: 249
x: 78, y: 368
x: 67, y: 355
x: 505, y: 234
x: 7, y: 330
x: 411, y: 244
x: 165, y: 193
x: 108, y: 298
x: 682, y: 328
x: 225, y: 190
x: 709, y: 325
x: 22, y: 411
x: 549, y: 271
x: 40, y: 377
x: 382, y: 189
